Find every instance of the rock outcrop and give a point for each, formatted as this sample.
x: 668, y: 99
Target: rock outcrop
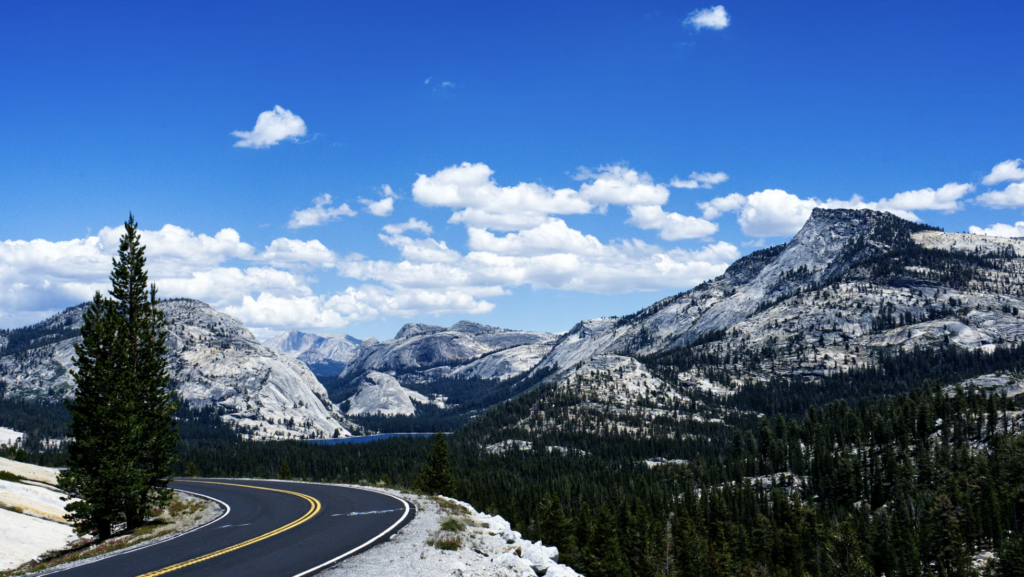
x: 323, y: 354
x: 213, y: 360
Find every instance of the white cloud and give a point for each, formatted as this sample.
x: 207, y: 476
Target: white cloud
x: 38, y: 277
x: 999, y: 229
x: 616, y: 184
x: 365, y: 303
x: 715, y: 18
x: 291, y: 253
x: 549, y: 256
x: 774, y: 212
x: 478, y: 201
x: 1011, y: 197
x: 671, y: 225
x: 420, y: 250
x: 946, y: 198
x: 320, y: 213
x: 384, y: 206
x: 268, y: 288
x: 715, y: 207
x: 700, y: 180
x: 272, y: 126
x: 1006, y: 170
x: 551, y: 237
x: 411, y: 224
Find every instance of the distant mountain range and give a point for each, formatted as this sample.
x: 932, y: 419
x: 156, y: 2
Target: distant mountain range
x: 851, y: 289
x: 323, y: 354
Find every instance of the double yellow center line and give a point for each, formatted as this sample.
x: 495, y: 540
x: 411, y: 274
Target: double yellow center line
x: 314, y: 508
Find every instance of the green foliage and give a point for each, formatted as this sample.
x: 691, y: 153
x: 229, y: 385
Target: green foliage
x: 124, y: 436
x: 1011, y: 558
x: 8, y: 476
x: 285, y: 472
x: 191, y: 470
x: 452, y: 524
x: 436, y: 476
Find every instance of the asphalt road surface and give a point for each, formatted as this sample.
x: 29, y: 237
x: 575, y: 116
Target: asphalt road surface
x: 272, y: 528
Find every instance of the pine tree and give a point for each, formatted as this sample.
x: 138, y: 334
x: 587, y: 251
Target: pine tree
x: 1011, y: 559
x: 92, y: 473
x: 436, y: 477
x: 556, y: 529
x: 191, y: 470
x: 285, y: 472
x: 121, y: 458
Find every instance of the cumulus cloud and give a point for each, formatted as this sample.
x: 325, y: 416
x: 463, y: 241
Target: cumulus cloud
x: 714, y: 18
x: 291, y: 253
x: 670, y: 225
x: 1006, y: 170
x: 999, y: 229
x: 946, y: 198
x: 716, y: 207
x: 549, y: 256
x: 384, y: 206
x: 420, y: 250
x: 700, y: 180
x: 616, y: 184
x: 272, y: 126
x: 321, y: 212
x: 774, y: 212
x: 480, y: 203
x: 411, y: 224
x: 514, y: 239
x: 38, y: 277
x: 364, y: 303
x: 477, y: 200
x: 553, y: 236
x: 1011, y: 197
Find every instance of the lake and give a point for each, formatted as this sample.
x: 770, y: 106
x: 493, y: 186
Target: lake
x: 370, y: 438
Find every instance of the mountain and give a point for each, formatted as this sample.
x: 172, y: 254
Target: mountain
x: 422, y: 352
x: 849, y: 282
x: 323, y: 354
x: 213, y: 360
x: 381, y: 394
x: 856, y: 298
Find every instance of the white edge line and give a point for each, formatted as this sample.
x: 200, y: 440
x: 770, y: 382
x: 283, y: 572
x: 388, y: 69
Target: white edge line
x: 364, y: 545
x: 227, y: 510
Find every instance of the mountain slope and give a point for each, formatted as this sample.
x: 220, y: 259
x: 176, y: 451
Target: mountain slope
x: 422, y: 352
x: 213, y: 360
x: 849, y: 291
x: 847, y: 282
x: 323, y: 354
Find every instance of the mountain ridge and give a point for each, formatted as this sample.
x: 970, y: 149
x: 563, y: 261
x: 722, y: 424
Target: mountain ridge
x: 213, y: 360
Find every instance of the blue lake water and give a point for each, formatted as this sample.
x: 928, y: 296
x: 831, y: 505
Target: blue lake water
x: 370, y: 438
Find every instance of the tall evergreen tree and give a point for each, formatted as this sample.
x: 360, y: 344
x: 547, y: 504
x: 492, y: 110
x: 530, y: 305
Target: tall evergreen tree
x: 436, y: 477
x: 122, y: 425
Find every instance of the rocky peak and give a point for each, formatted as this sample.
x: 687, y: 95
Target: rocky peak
x: 472, y: 328
x: 415, y: 329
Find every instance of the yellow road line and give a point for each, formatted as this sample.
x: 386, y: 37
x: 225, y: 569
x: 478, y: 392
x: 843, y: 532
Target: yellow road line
x: 313, y: 510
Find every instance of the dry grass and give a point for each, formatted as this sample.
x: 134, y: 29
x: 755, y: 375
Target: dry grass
x: 445, y: 540
x: 163, y: 523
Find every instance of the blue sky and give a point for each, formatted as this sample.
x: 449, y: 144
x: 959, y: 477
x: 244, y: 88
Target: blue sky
x: 597, y: 108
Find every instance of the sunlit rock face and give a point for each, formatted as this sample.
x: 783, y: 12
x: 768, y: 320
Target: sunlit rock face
x: 213, y: 360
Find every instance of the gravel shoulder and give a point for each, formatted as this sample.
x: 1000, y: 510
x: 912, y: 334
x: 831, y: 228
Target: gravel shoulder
x: 472, y: 543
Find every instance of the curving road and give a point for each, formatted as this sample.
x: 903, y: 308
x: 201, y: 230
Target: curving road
x: 272, y: 528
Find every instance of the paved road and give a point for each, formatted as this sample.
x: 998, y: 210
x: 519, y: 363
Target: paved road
x: 273, y: 528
